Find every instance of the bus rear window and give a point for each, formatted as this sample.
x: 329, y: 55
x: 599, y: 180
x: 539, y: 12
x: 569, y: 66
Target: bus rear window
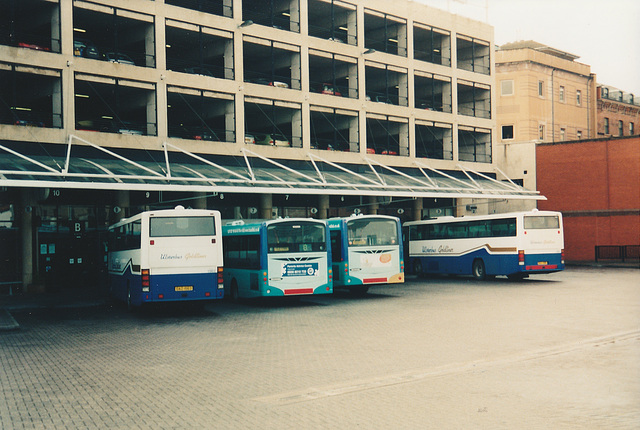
x: 296, y: 237
x: 541, y: 222
x: 181, y: 226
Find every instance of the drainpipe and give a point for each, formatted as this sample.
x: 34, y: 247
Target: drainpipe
x: 553, y: 106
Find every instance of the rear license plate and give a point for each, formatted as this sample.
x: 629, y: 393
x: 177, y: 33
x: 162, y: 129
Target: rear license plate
x: 542, y: 263
x: 184, y: 288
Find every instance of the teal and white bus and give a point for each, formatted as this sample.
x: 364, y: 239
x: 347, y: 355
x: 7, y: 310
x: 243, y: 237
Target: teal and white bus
x: 366, y: 250
x: 282, y: 257
x: 166, y: 256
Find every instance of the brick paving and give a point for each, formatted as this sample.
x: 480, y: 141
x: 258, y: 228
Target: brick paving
x: 559, y: 351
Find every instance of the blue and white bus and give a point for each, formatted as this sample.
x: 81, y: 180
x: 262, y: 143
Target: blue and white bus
x: 514, y: 244
x: 166, y: 256
x: 282, y: 257
x: 366, y: 250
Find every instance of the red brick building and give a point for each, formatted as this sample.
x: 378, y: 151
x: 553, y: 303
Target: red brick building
x: 596, y: 185
x: 618, y: 112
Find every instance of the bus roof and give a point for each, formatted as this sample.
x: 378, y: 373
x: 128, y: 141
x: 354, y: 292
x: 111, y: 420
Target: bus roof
x: 239, y: 227
x: 481, y: 217
x: 177, y: 211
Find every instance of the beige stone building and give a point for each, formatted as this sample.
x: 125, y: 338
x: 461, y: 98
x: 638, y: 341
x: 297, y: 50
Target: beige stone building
x: 542, y: 95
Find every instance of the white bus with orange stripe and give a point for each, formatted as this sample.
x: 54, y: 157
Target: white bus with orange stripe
x: 366, y: 251
x: 515, y: 244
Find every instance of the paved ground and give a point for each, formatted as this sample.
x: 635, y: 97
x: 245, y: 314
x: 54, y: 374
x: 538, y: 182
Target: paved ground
x: 560, y: 351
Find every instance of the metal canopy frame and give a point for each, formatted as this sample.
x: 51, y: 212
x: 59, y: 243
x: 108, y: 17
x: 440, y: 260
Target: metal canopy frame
x: 113, y: 171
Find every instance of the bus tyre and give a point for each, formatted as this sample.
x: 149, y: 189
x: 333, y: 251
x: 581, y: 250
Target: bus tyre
x: 417, y: 268
x: 359, y: 292
x: 129, y: 302
x: 478, y: 270
x: 234, y: 291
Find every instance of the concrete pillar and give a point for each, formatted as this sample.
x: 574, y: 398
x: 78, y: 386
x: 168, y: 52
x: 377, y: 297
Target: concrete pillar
x: 296, y: 71
x: 296, y: 129
x: 55, y: 31
x: 200, y: 201
x: 402, y: 40
x: 56, y: 104
x: 266, y: 206
x: 323, y: 206
x: 404, y: 140
x: 373, y: 206
x: 150, y: 46
x: 354, y: 135
x: 230, y: 122
x: 152, y: 128
x: 294, y: 12
x: 122, y: 201
x: 228, y: 60
x: 227, y: 8
x: 418, y: 205
x: 25, y: 210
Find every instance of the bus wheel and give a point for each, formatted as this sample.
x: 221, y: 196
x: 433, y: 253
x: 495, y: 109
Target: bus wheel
x: 129, y: 302
x: 234, y: 291
x: 478, y: 270
x: 359, y: 292
x: 417, y: 268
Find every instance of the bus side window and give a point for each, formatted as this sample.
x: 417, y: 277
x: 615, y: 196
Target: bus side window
x: 252, y: 245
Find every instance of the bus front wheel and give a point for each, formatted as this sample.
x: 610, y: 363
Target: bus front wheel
x: 478, y: 270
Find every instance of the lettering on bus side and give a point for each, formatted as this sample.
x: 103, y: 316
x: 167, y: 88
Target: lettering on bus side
x: 170, y: 257
x: 442, y: 249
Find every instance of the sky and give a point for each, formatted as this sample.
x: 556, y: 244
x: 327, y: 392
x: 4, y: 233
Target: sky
x: 604, y: 34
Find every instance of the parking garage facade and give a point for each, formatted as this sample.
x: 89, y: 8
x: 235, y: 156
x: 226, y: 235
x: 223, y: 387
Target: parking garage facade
x: 312, y: 108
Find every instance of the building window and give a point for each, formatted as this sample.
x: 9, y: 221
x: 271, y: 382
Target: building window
x: 473, y: 54
x: 541, y: 88
x: 606, y: 126
x: 561, y: 94
x: 605, y: 93
x: 507, y: 132
x: 541, y: 132
x: 506, y: 88
x: 620, y: 128
x: 579, y: 98
x: 631, y: 129
x: 474, y: 144
x: 579, y: 134
x: 563, y: 134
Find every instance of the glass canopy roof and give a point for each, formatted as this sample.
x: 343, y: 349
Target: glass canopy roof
x: 87, y: 166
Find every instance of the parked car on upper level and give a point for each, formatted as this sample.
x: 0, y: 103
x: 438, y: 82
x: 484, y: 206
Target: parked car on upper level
x: 85, y: 48
x: 272, y: 139
x: 271, y: 83
x: 117, y: 57
x: 330, y: 89
x: 33, y: 46
x: 198, y: 71
x: 27, y: 118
